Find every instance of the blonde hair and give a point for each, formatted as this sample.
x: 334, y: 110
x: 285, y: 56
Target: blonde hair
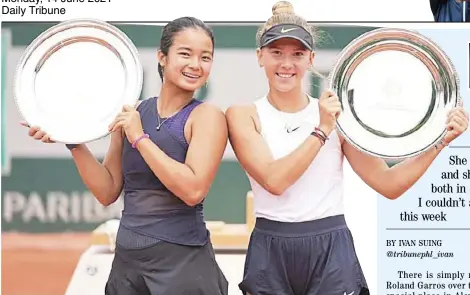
x: 283, y: 13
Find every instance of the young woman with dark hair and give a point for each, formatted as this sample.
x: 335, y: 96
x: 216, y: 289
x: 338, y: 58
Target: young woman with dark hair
x: 164, y: 154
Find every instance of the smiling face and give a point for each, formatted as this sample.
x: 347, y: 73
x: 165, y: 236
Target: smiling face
x: 189, y: 60
x: 285, y: 62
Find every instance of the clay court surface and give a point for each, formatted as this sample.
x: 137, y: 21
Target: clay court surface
x: 40, y: 264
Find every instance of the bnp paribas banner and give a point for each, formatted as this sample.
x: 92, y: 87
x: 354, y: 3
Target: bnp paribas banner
x: 41, y: 189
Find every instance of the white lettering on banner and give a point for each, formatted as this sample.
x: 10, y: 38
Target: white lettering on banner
x: 34, y: 209
x: 75, y: 202
x: 13, y: 202
x: 57, y: 206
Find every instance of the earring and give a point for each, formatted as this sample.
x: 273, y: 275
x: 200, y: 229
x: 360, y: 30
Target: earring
x: 163, y: 73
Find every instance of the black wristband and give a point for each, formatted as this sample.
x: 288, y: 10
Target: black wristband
x: 71, y: 146
x: 319, y: 136
x: 323, y: 134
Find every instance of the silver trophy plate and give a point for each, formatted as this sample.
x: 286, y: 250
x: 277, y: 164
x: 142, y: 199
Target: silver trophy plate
x: 74, y: 78
x: 396, y: 87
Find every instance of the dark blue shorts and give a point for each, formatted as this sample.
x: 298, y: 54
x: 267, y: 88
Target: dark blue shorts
x: 306, y: 258
x: 166, y: 269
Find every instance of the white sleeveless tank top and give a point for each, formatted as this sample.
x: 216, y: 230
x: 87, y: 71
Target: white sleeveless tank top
x: 318, y: 193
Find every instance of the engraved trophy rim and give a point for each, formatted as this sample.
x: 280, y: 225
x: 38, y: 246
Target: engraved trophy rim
x: 59, y: 36
x: 444, y: 77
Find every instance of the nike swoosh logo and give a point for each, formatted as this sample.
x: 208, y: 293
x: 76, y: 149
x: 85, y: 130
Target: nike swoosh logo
x: 349, y: 293
x: 290, y: 131
x: 288, y: 30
